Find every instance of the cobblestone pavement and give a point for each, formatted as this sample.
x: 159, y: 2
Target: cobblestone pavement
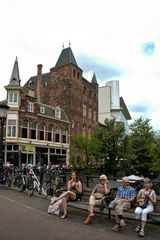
x: 24, y: 218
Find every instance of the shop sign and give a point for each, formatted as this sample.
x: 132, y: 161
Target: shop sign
x: 28, y: 148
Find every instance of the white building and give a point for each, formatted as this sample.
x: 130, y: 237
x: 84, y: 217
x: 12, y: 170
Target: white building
x: 111, y: 105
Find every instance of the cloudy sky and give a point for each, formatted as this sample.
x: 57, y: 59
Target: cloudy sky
x: 116, y: 39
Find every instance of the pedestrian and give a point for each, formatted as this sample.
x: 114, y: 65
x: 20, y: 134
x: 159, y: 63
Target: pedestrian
x: 124, y: 197
x: 99, y: 191
x: 73, y: 193
x: 146, y: 199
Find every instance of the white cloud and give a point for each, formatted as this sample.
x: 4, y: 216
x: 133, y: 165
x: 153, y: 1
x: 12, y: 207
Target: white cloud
x: 111, y: 30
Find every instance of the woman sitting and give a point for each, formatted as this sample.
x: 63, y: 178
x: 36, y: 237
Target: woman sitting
x: 146, y: 200
x: 73, y: 193
x: 97, y: 195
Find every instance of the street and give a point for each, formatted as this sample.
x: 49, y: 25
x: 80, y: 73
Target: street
x: 25, y: 218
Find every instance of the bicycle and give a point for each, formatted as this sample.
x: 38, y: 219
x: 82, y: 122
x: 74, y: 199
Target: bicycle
x: 20, y: 181
x: 34, y: 184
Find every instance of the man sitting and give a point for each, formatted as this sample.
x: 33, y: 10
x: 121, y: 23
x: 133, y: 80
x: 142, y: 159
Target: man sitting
x: 124, y: 197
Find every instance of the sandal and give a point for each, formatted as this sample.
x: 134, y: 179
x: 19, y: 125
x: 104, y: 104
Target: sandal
x: 138, y: 228
x: 64, y: 216
x: 88, y: 220
x: 141, y: 233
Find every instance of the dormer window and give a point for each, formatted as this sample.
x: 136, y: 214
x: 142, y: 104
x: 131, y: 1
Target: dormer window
x: 42, y: 110
x: 12, y: 97
x: 57, y: 113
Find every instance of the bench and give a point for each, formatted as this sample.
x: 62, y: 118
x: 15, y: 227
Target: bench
x: 104, y: 207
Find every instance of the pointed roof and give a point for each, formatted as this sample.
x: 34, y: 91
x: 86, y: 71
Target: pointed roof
x: 94, y: 79
x: 66, y: 57
x: 15, y: 78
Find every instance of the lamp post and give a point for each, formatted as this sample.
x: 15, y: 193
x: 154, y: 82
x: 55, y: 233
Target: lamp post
x: 3, y: 115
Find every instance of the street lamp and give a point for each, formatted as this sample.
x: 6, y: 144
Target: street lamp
x: 3, y: 115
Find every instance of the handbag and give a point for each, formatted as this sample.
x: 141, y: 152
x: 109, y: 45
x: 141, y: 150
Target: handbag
x: 55, y: 208
x: 143, y: 202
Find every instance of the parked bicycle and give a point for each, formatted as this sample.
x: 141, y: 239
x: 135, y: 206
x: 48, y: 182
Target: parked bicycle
x: 33, y: 184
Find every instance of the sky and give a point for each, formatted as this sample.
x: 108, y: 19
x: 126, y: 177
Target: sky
x: 116, y: 39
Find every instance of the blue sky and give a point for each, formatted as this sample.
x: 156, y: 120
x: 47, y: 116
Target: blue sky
x: 116, y: 39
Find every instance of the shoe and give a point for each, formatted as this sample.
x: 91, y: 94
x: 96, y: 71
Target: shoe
x: 141, y: 233
x: 138, y: 228
x: 64, y: 216
x: 122, y: 223
x: 117, y: 228
x: 88, y: 220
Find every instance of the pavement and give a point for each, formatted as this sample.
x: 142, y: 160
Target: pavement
x: 25, y: 218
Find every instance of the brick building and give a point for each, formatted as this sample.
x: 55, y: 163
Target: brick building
x: 48, y: 110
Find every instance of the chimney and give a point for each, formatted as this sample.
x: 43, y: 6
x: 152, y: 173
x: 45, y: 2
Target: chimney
x: 39, y: 82
x: 39, y: 69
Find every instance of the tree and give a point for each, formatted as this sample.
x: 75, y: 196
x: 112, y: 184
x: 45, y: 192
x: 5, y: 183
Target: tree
x: 111, y: 138
x: 142, y: 146
x: 156, y: 162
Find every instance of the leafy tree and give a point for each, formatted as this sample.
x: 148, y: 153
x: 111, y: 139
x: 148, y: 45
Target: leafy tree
x: 111, y: 138
x: 156, y: 161
x: 142, y: 146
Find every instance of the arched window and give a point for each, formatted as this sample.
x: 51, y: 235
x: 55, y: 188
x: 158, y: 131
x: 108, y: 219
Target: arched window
x: 84, y: 110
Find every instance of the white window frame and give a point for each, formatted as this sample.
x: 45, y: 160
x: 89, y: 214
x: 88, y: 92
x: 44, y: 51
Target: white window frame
x: 12, y: 97
x: 30, y: 106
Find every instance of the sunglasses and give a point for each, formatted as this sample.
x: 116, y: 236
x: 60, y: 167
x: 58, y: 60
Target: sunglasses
x: 102, y: 179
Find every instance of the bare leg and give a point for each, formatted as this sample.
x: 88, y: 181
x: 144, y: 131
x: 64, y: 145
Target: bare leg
x: 143, y: 223
x: 64, y: 205
x: 69, y: 194
x: 91, y: 210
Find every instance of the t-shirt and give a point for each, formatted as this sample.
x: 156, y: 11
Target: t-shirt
x: 99, y: 189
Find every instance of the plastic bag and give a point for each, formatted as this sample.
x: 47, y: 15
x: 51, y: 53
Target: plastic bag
x: 55, y: 208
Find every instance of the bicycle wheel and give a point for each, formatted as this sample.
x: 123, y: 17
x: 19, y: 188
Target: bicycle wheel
x: 18, y: 183
x: 46, y: 187
x: 30, y: 186
x: 8, y: 180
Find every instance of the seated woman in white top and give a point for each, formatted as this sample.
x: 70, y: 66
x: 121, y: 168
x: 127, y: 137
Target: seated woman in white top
x: 147, y: 195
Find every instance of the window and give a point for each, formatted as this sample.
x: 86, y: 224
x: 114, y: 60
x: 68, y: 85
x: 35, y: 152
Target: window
x: 74, y: 73
x: 57, y: 113
x: 25, y: 129
x: 41, y: 132
x: 42, y: 110
x: 89, y: 132
x: 84, y: 110
x: 33, y: 131
x: 90, y: 113
x: 64, y: 137
x: 63, y: 151
x: 84, y: 90
x: 12, y: 97
x: 11, y: 128
x: 49, y: 135
x: 30, y: 107
x: 78, y: 75
x: 57, y: 135
x: 84, y: 130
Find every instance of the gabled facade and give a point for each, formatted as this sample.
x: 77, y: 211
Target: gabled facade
x: 35, y: 132
x: 48, y: 110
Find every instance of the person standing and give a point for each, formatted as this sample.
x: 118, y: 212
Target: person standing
x: 146, y: 199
